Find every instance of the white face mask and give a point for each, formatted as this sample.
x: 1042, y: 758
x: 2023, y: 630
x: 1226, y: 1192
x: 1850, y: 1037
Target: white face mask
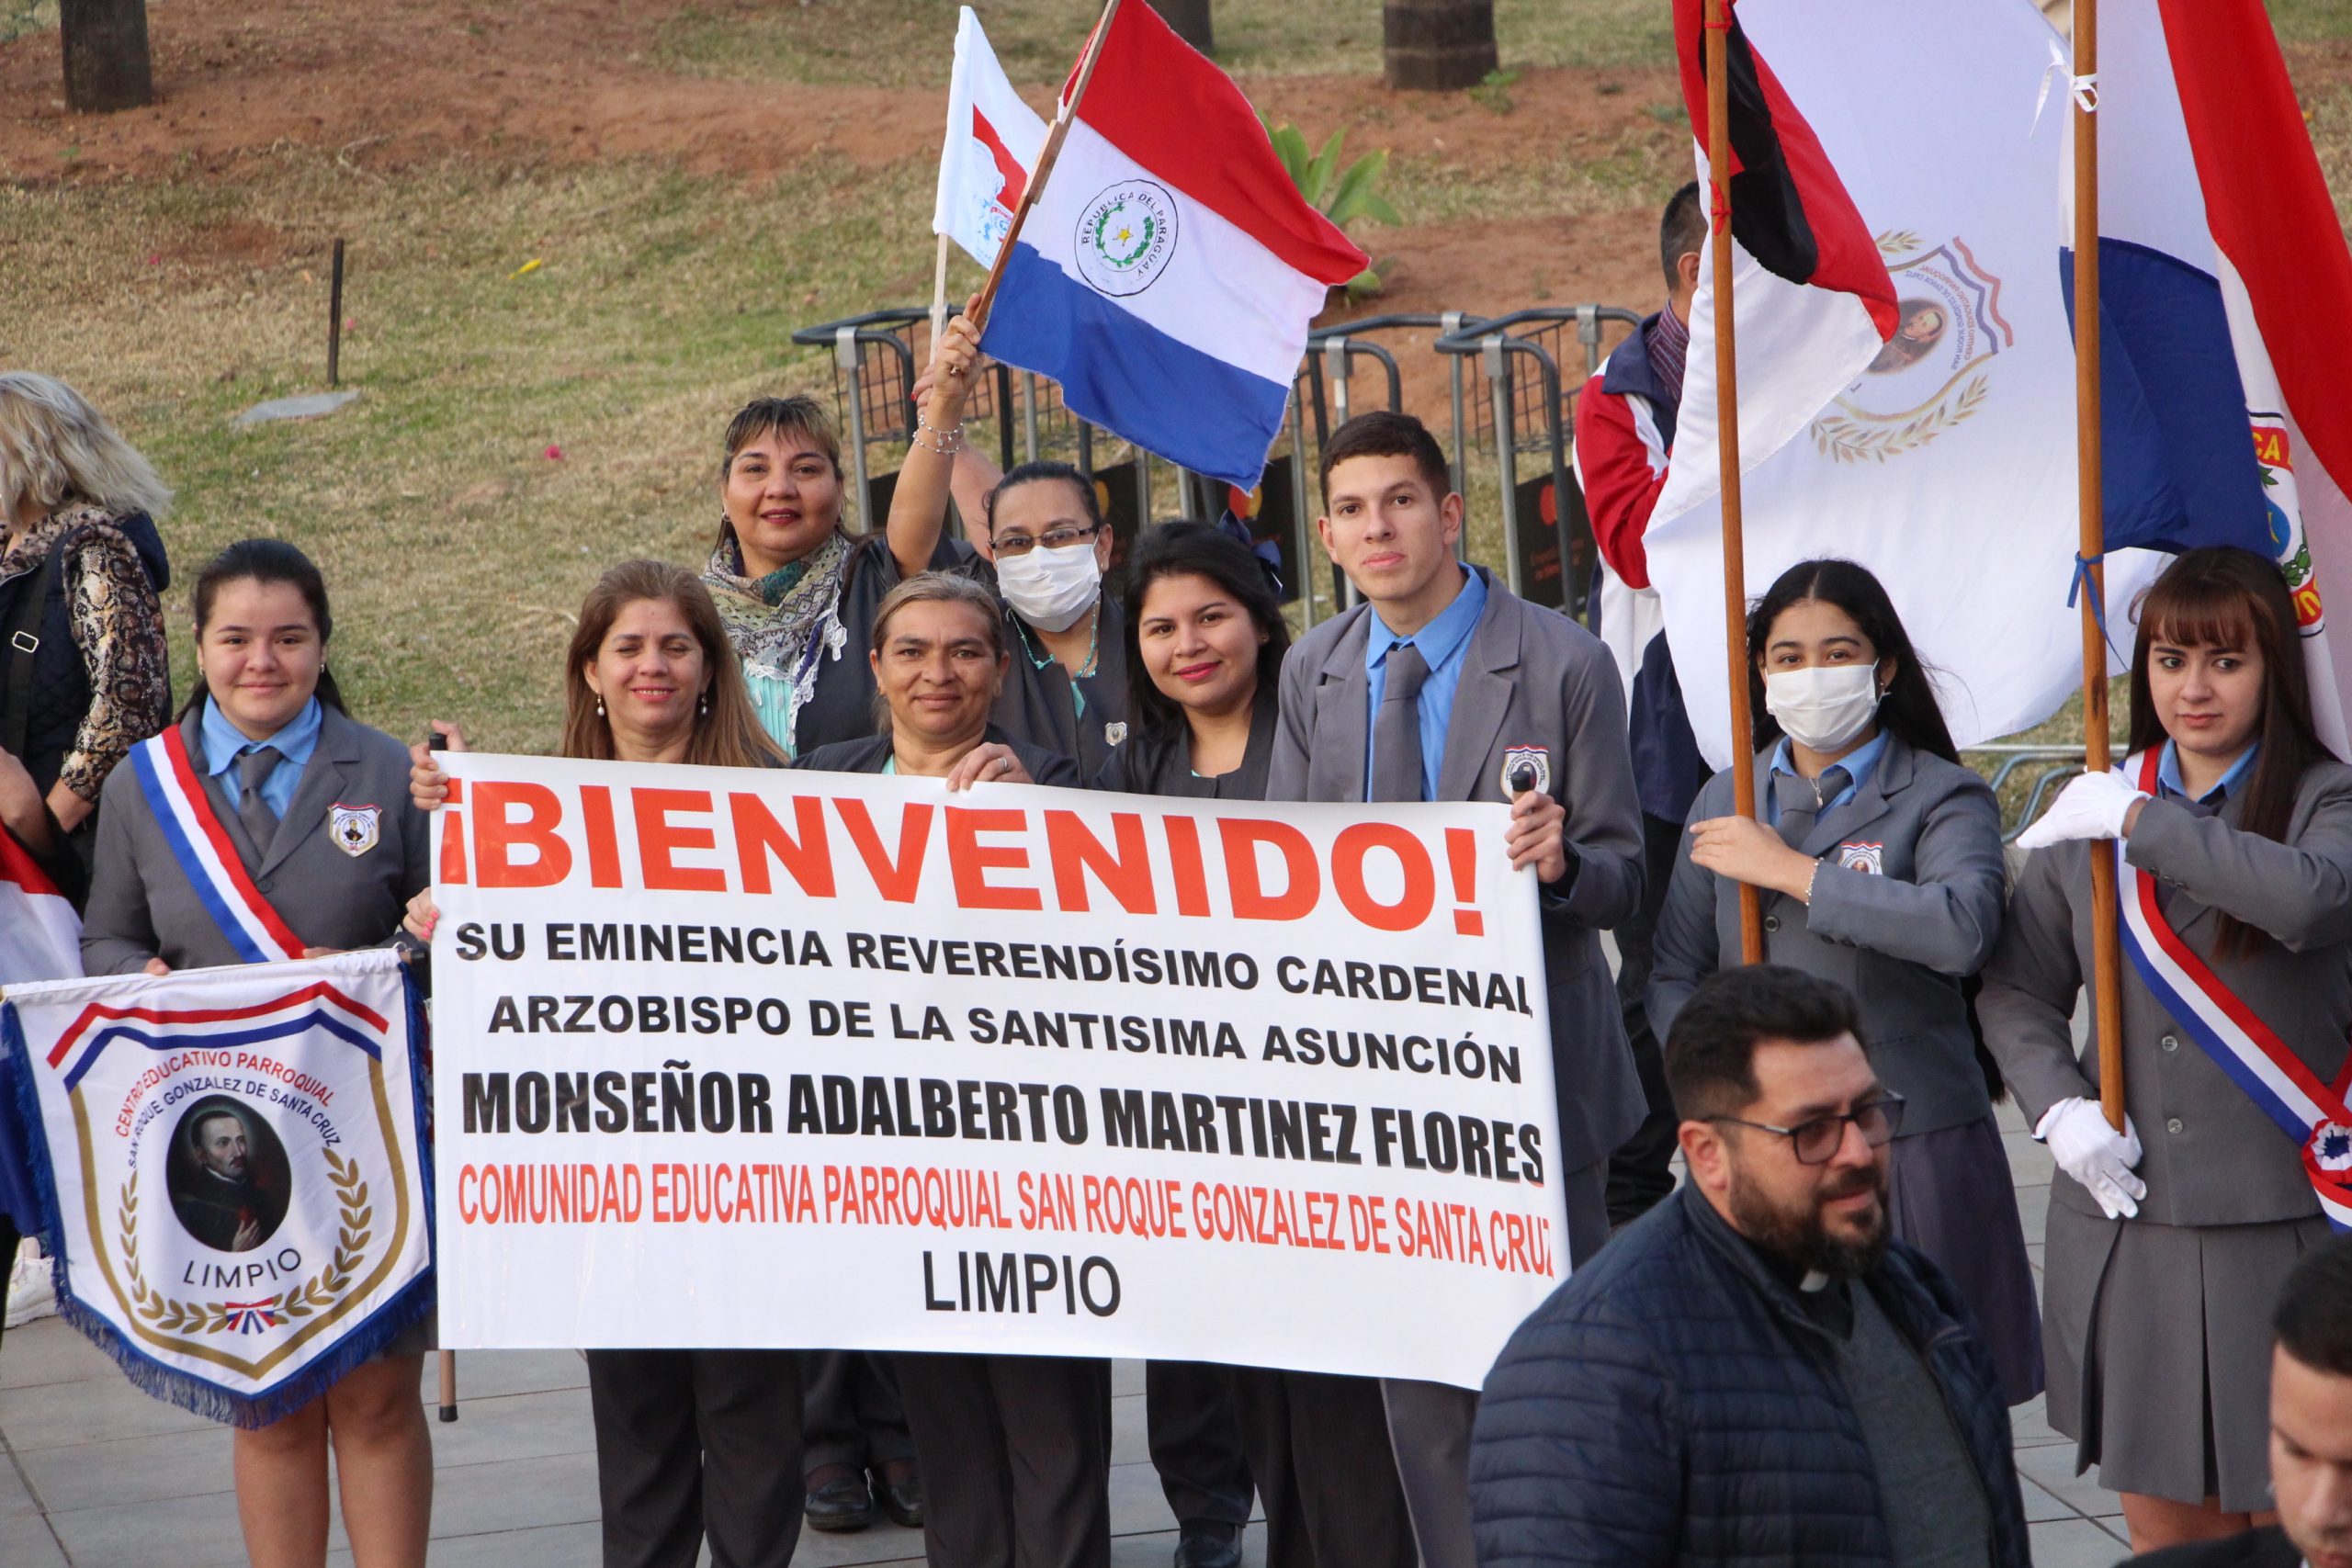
x: 1826, y: 706
x: 1051, y: 588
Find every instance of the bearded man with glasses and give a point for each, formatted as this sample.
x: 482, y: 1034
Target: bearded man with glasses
x: 1755, y: 1372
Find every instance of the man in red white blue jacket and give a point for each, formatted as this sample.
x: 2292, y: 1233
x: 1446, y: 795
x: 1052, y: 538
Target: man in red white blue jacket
x: 1624, y: 428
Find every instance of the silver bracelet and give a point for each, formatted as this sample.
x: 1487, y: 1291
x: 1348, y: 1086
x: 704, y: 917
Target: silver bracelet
x: 1805, y: 897
x: 939, y: 442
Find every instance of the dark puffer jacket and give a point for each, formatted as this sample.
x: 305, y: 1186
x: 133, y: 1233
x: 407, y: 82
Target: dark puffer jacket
x: 1672, y: 1404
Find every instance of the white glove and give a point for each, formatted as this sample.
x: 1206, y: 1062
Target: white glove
x: 2093, y: 807
x: 2095, y: 1154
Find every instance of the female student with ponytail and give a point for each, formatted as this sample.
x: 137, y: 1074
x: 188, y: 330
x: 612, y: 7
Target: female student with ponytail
x: 2168, y: 1240
x: 1877, y: 859
x: 267, y: 744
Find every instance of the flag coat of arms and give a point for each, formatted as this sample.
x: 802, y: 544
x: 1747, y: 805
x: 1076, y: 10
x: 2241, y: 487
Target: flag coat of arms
x: 1943, y: 459
x: 231, y: 1170
x: 1169, y: 269
x: 2225, y: 298
x: 993, y: 140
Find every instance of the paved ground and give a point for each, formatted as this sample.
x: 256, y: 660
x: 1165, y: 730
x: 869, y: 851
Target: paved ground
x: 98, y: 1476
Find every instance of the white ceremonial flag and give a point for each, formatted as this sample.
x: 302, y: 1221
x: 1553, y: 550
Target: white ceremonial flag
x: 993, y: 140
x: 1947, y: 467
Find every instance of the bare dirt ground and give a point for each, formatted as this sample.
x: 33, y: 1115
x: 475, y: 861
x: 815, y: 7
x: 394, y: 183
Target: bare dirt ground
x: 390, y: 84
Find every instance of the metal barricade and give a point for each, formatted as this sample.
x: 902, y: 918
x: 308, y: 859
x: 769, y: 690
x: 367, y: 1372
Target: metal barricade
x: 1547, y: 537
x: 2057, y: 763
x: 1331, y: 354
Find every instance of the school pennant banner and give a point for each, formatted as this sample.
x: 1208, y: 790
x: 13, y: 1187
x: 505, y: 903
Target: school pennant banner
x: 2309, y: 1111
x: 232, y: 1166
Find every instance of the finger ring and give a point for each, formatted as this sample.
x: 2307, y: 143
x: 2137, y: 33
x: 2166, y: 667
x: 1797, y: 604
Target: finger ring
x: 956, y: 370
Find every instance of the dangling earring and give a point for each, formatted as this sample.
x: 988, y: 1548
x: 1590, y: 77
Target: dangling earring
x: 706, y: 704
x: 600, y: 707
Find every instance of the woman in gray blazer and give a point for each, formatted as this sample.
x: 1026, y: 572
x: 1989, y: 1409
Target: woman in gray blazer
x: 2169, y: 1241
x: 1877, y: 859
x: 316, y: 806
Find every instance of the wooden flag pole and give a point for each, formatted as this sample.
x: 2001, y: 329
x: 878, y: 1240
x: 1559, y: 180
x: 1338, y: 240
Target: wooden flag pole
x: 1743, y: 724
x: 1053, y: 149
x: 939, y: 291
x: 2106, y: 954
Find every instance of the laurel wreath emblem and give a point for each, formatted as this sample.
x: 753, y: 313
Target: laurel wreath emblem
x: 1847, y: 440
x: 1896, y: 241
x: 320, y: 1290
x: 1143, y: 245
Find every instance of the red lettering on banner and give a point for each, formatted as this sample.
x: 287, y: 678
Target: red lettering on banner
x: 1185, y: 866
x: 659, y: 840
x: 1125, y: 875
x: 453, y: 837
x: 971, y: 861
x: 603, y: 845
x: 1420, y: 896
x: 895, y: 879
x: 1243, y: 837
x: 806, y: 854
x: 497, y: 836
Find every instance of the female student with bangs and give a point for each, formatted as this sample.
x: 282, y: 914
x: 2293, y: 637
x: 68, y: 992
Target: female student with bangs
x: 2168, y: 1240
x: 1877, y: 859
x: 274, y: 753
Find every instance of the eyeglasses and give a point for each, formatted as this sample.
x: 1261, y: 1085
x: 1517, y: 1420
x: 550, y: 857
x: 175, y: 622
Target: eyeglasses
x: 1052, y: 538
x: 1815, y: 1141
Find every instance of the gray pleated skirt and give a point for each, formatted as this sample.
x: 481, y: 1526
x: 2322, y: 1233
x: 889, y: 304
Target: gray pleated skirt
x: 2159, y: 1346
x: 1949, y: 1194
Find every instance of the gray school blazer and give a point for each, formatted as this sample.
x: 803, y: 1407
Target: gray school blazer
x: 1531, y: 677
x: 1901, y: 938
x: 2209, y: 1157
x: 143, y: 907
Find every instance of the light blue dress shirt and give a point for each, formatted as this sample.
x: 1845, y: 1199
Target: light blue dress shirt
x: 1444, y: 643
x: 1860, y: 764
x: 224, y: 743
x: 2168, y: 775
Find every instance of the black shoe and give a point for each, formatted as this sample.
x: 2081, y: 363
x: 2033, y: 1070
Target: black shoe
x: 841, y: 1506
x: 1209, y: 1546
x: 902, y: 1500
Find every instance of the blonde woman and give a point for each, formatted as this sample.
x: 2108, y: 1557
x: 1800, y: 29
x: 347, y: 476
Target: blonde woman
x: 83, y: 671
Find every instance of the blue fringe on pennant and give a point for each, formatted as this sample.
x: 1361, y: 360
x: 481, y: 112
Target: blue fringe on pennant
x: 360, y: 1342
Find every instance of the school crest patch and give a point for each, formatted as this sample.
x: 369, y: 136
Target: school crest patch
x: 1863, y: 857
x: 1519, y: 761
x: 355, y: 829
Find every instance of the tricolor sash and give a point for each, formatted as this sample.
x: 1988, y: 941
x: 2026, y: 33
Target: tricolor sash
x: 205, y: 853
x: 2309, y: 1111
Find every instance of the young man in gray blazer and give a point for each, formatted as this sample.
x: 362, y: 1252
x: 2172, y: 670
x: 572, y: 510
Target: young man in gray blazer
x: 1444, y: 685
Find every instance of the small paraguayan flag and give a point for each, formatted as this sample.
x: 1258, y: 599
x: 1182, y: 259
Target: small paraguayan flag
x: 1169, y: 270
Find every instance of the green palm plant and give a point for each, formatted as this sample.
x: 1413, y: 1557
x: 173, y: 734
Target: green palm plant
x: 1340, y: 195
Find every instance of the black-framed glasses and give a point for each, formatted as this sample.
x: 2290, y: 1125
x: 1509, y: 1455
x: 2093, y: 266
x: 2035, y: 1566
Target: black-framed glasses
x: 1815, y: 1141
x: 1052, y: 540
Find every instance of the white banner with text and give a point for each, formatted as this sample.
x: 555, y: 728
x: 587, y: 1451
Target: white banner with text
x: 736, y: 1057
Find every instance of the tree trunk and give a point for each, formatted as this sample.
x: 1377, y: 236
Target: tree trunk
x: 1190, y: 18
x: 106, y: 54
x: 1437, y: 45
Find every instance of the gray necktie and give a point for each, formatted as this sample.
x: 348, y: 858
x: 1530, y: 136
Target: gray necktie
x: 1396, y: 729
x: 1800, y: 800
x: 253, y: 768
